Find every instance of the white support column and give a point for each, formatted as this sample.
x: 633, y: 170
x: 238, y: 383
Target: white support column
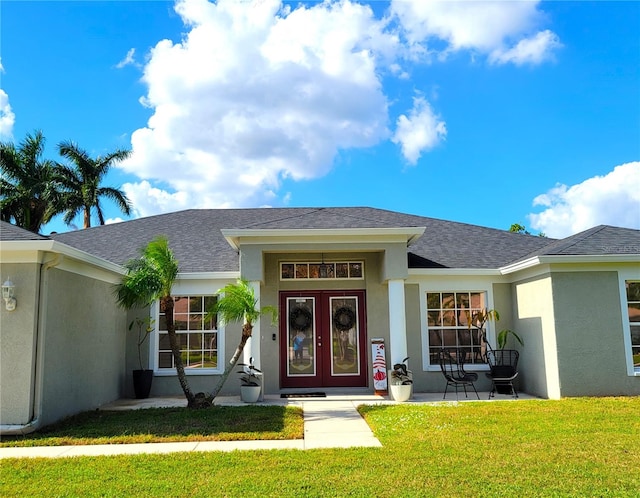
x: 397, y: 322
x: 252, y: 348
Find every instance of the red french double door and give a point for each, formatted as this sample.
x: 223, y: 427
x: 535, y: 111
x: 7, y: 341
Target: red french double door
x: 323, y: 339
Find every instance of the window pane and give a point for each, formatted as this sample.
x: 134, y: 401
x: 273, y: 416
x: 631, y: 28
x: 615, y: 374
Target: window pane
x: 462, y: 300
x: 464, y: 338
x: 463, y: 317
x: 181, y: 304
x: 448, y: 318
x: 209, y: 303
x: 633, y: 291
x: 180, y: 322
x: 195, y: 359
x: 162, y: 322
x: 165, y: 360
x: 163, y: 342
x: 635, y: 335
x: 435, y: 338
x: 449, y: 337
x: 433, y: 318
x: 182, y: 341
x: 211, y: 341
x: 195, y: 341
x: 433, y: 300
x: 287, y: 270
x: 477, y: 300
x: 355, y: 270
x: 342, y: 270
x: 634, y: 312
x: 314, y: 270
x: 302, y: 271
x: 195, y: 304
x: 448, y: 300
x: 195, y: 321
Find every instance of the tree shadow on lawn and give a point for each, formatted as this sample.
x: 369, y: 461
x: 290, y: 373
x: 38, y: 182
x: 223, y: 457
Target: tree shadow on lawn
x: 218, y: 423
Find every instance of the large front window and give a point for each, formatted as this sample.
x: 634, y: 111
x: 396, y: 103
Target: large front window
x: 633, y: 310
x: 448, y: 316
x: 197, y: 334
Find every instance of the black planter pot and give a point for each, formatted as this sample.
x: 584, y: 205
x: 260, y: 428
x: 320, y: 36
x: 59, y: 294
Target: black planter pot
x: 142, y: 380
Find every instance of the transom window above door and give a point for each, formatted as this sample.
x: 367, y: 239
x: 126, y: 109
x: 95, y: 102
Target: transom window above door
x: 335, y: 270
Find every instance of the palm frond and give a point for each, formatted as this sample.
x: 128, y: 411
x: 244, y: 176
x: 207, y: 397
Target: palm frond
x: 149, y: 277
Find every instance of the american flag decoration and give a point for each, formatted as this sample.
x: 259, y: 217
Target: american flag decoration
x: 379, y: 366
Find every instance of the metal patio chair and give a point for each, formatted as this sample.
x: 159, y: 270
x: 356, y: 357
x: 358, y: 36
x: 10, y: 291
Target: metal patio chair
x: 503, y: 365
x: 452, y: 367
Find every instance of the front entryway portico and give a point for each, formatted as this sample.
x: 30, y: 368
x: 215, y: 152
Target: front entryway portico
x: 327, y: 318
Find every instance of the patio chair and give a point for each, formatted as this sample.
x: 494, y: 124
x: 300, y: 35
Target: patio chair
x: 503, y: 365
x: 452, y: 368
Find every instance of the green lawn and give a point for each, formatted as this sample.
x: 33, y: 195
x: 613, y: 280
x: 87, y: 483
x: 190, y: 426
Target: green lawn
x: 163, y: 425
x: 572, y: 447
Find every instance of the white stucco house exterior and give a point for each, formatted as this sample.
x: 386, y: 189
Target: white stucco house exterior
x: 341, y: 278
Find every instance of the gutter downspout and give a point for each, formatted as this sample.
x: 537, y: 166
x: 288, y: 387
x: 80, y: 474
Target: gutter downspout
x: 35, y: 423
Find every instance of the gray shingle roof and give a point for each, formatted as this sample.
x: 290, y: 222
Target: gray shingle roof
x: 12, y: 232
x: 599, y: 240
x: 197, y: 242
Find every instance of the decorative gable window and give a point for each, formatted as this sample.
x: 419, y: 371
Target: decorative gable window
x: 633, y: 312
x: 197, y: 336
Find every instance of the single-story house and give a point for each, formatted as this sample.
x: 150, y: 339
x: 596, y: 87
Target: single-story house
x: 345, y: 280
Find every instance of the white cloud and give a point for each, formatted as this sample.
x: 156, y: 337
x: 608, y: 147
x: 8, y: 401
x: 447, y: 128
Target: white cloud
x: 532, y: 50
x: 420, y: 131
x: 129, y: 60
x: 255, y: 93
x: 612, y: 199
x: 476, y: 25
x: 7, y: 117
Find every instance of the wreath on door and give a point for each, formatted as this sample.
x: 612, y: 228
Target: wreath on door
x: 300, y: 319
x: 344, y: 319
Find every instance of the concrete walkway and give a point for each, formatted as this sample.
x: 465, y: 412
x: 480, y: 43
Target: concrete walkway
x: 327, y: 424
x: 331, y: 422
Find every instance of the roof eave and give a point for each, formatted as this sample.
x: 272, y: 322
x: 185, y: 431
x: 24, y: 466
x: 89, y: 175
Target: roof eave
x: 569, y: 259
x: 236, y: 237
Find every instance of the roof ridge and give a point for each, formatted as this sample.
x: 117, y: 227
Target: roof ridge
x: 296, y: 215
x: 580, y: 236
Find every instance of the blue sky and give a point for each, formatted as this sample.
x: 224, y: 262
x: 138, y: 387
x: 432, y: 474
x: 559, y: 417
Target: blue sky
x: 478, y: 112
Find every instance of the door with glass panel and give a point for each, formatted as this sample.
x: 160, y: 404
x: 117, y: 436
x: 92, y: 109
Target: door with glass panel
x: 323, y: 339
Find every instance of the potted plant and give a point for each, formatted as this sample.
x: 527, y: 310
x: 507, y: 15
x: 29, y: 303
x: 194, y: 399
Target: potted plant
x: 142, y: 378
x: 401, y: 381
x: 250, y: 385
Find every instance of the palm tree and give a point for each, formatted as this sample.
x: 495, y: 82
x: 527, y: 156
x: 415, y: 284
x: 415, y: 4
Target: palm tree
x: 238, y: 304
x: 82, y: 183
x: 149, y: 278
x: 29, y: 186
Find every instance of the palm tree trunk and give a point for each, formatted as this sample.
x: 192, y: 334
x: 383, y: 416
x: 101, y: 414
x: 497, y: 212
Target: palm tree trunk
x: 247, y: 328
x: 166, y: 304
x: 87, y: 222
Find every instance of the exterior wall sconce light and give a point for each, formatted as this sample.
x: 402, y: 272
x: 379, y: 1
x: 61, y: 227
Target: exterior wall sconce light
x: 8, y: 294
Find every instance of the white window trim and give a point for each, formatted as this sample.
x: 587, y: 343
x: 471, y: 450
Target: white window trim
x: 623, y: 277
x: 441, y: 286
x: 154, y: 344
